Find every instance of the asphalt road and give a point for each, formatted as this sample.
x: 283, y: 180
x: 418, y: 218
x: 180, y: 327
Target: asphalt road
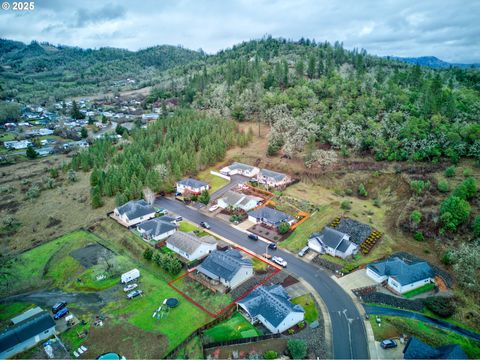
x: 349, y: 336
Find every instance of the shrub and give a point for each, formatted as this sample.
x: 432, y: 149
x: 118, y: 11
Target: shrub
x: 346, y: 205
x: 33, y: 192
x: 447, y: 257
x: 416, y: 216
x: 148, y: 254
x: 31, y: 153
x: 418, y: 236
x: 283, y: 228
x: 441, y: 305
x: 476, y: 226
x: 348, y: 268
x: 348, y: 192
x: 453, y: 212
x: 443, y: 186
x: 297, y: 348
x: 72, y: 175
x: 467, y: 172
x: 419, y: 186
x: 467, y: 189
x: 204, y: 197
x: 362, y: 191
x: 377, y: 203
x: 270, y: 354
x: 450, y: 171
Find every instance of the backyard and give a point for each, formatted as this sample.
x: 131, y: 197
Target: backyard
x: 308, y: 304
x: 237, y: 327
x: 215, y: 182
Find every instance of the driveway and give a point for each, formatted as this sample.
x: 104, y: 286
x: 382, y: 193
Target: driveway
x: 234, y: 181
x: 355, y: 280
x: 348, y: 328
x: 395, y: 353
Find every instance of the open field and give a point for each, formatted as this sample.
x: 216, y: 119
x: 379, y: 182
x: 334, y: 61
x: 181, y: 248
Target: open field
x: 237, y: 327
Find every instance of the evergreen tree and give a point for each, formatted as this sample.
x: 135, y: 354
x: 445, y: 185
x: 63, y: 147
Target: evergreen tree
x: 31, y: 153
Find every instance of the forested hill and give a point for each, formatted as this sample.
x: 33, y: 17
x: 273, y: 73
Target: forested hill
x: 433, y: 62
x: 318, y: 95
x: 40, y: 72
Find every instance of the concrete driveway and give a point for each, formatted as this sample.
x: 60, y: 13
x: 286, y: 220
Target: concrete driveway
x: 395, y: 353
x: 234, y: 181
x: 355, y: 280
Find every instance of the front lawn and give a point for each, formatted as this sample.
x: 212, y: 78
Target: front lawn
x: 237, y: 327
x: 215, y: 182
x: 186, y: 226
x: 308, y: 304
x: 418, y: 291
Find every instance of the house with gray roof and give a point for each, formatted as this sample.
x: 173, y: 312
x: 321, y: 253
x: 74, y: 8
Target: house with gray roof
x: 271, y: 306
x: 416, y: 349
x: 271, y: 217
x: 134, y: 212
x: 156, y: 229
x: 229, y: 268
x: 332, y: 242
x: 240, y: 169
x: 191, y: 246
x: 235, y: 200
x: 26, y: 334
x: 272, y: 178
x: 401, y: 277
x: 193, y: 186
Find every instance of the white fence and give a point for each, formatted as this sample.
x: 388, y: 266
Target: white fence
x: 216, y: 173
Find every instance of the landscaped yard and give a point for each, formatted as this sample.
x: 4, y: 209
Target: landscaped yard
x: 237, y: 327
x: 215, y: 182
x: 418, y: 291
x: 308, y: 304
x: 186, y: 226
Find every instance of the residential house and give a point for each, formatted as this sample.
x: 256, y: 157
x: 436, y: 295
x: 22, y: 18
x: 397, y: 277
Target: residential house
x: 134, y: 212
x: 17, y: 145
x: 272, y: 178
x: 271, y: 306
x: 191, y: 246
x: 227, y: 267
x: 332, y: 242
x: 416, y: 349
x: 150, y: 117
x: 193, y: 186
x: 240, y: 169
x: 232, y: 199
x: 26, y: 333
x: 270, y: 217
x: 156, y: 229
x: 401, y: 277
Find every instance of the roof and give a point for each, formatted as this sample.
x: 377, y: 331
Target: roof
x: 343, y: 246
x: 135, y: 208
x: 332, y: 238
x: 25, y: 315
x: 271, y: 215
x: 271, y: 302
x: 156, y: 226
x: 167, y: 218
x: 240, y: 166
x: 416, y: 349
x: 188, y: 242
x: 233, y: 198
x: 193, y: 183
x: 25, y: 330
x: 401, y: 271
x: 224, y: 264
x: 272, y: 174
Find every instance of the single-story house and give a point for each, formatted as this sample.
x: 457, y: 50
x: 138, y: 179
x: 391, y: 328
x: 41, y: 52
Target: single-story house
x: 241, y: 169
x: 227, y: 267
x: 156, y: 229
x: 193, y: 186
x: 400, y: 276
x: 416, y: 349
x: 272, y: 178
x: 332, y: 242
x: 269, y: 216
x: 134, y: 212
x: 272, y: 307
x: 190, y: 246
x: 17, y: 145
x: 26, y: 334
x: 238, y: 201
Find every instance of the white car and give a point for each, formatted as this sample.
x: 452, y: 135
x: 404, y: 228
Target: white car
x: 278, y: 260
x: 130, y: 287
x: 213, y: 208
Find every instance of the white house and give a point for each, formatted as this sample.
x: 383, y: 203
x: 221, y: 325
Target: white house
x: 131, y: 275
x: 400, y: 276
x: 271, y: 306
x: 237, y: 200
x: 241, y: 169
x: 227, y: 267
x: 190, y: 246
x: 134, y: 212
x: 156, y: 229
x: 272, y: 178
x: 17, y: 145
x: 191, y: 185
x: 270, y: 217
x: 332, y: 242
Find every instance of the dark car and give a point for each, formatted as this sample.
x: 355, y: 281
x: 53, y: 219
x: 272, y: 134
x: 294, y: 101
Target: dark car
x: 205, y: 225
x: 388, y: 344
x: 253, y: 237
x: 134, y: 294
x: 272, y: 246
x: 58, y: 306
x: 61, y: 313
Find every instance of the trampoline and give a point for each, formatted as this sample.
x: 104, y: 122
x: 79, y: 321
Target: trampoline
x: 171, y: 302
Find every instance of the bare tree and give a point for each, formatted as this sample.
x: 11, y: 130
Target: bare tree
x: 149, y: 195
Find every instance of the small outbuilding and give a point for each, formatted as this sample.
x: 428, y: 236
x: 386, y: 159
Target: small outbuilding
x: 131, y: 275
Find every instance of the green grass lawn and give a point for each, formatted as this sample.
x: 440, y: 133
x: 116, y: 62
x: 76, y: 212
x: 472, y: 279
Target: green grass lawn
x: 308, y: 304
x: 8, y: 136
x: 259, y: 265
x: 70, y: 337
x: 418, y: 291
x: 186, y: 226
x: 8, y: 311
x: 215, y: 182
x: 237, y: 327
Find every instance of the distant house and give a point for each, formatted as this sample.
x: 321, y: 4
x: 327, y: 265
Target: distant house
x: 241, y: 169
x: 232, y: 199
x: 416, y: 349
x: 17, y: 145
x: 190, y: 246
x: 271, y: 306
x: 193, y: 186
x: 227, y: 267
x: 26, y: 333
x: 150, y: 117
x: 272, y: 178
x: 332, y: 242
x: 270, y: 217
x: 400, y: 276
x: 156, y: 229
x: 134, y: 212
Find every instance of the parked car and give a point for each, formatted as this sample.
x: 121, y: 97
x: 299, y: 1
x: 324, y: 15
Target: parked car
x: 213, y: 207
x: 205, y: 225
x: 272, y: 246
x: 253, y: 237
x: 130, y: 287
x: 134, y: 294
x: 388, y: 344
x: 61, y: 313
x: 178, y: 218
x: 278, y: 260
x: 267, y: 256
x: 162, y: 211
x: 302, y: 252
x: 58, y: 306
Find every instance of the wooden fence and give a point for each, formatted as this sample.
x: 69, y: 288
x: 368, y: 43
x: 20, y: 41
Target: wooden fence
x: 242, y: 341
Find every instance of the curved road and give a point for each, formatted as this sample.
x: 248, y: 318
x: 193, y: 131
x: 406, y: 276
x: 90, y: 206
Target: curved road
x: 348, y: 329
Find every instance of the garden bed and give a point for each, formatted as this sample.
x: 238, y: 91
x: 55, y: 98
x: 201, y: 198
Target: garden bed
x: 270, y: 234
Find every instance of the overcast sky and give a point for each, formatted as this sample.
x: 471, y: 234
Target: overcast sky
x: 447, y: 29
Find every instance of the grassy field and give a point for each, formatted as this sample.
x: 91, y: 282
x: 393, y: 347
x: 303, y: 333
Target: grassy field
x: 193, y: 350
x: 237, y: 327
x: 308, y: 304
x: 7, y: 311
x: 215, y: 182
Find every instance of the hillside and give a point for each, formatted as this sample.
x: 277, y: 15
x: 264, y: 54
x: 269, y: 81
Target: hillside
x: 433, y: 62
